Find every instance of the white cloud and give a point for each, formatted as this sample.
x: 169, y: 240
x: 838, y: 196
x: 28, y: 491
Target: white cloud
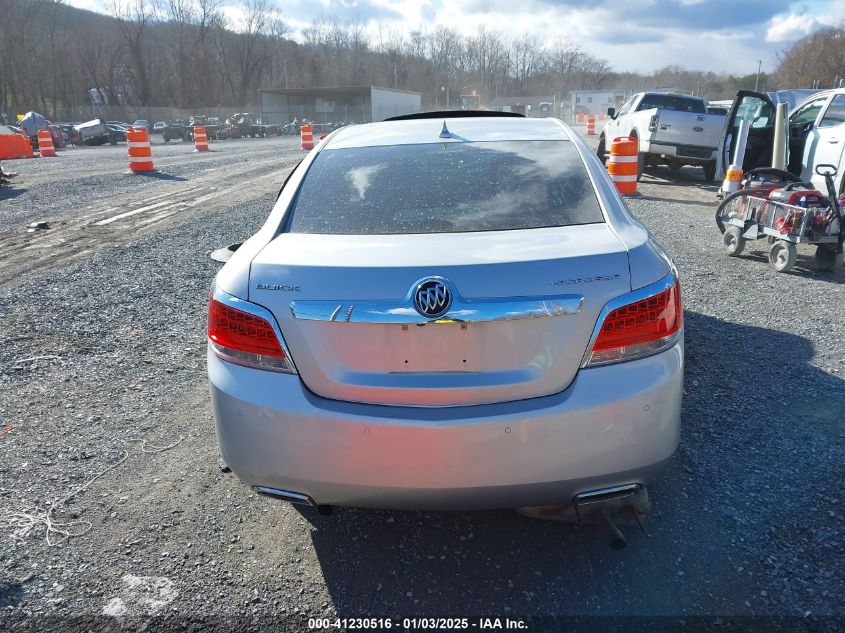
x: 787, y: 28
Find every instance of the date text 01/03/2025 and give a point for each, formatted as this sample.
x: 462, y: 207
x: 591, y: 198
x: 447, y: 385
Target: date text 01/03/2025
x: 417, y: 624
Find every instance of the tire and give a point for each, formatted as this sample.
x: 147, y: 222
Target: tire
x: 601, y: 151
x: 825, y: 256
x: 733, y: 241
x: 721, y: 210
x: 640, y: 166
x: 782, y: 256
x: 709, y: 171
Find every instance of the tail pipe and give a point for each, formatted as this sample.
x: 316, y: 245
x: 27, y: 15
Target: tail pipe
x: 598, y: 504
x: 297, y: 498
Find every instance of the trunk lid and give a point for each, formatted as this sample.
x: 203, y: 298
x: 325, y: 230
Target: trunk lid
x: 524, y: 305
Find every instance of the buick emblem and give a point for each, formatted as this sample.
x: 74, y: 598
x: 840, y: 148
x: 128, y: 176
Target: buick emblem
x: 432, y: 298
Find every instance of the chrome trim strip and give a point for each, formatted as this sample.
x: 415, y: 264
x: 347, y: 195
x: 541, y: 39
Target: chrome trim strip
x: 622, y: 300
x: 461, y: 311
x: 259, y: 311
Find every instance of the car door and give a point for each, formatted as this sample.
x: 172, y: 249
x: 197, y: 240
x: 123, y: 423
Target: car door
x: 802, y: 126
x: 759, y: 111
x: 611, y: 130
x: 826, y: 142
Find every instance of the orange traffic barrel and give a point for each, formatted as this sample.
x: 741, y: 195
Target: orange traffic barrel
x: 580, y: 117
x: 45, y: 143
x: 622, y: 164
x: 306, y: 131
x: 140, y: 153
x: 200, y: 140
x: 591, y: 125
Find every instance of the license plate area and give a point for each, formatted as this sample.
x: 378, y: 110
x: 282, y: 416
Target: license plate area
x: 435, y: 347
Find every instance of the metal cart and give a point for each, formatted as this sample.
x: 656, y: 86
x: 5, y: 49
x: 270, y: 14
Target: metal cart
x: 745, y: 216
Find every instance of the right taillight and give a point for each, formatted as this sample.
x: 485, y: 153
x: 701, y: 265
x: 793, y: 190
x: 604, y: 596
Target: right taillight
x: 645, y: 326
x: 244, y: 338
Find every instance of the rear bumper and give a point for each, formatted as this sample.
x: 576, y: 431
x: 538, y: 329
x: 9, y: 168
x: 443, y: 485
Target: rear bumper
x: 692, y: 154
x: 614, y: 425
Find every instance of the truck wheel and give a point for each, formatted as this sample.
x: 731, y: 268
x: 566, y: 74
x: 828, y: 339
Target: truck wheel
x: 640, y: 166
x: 782, y: 256
x: 709, y: 171
x: 601, y: 151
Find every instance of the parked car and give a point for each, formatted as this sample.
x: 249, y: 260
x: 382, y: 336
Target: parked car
x: 142, y: 123
x: 816, y: 134
x: 671, y: 129
x: 158, y: 127
x: 95, y: 132
x: 118, y: 132
x: 175, y: 130
x: 69, y: 133
x: 497, y: 331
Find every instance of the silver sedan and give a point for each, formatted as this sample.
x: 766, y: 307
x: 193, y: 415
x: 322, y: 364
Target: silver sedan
x: 448, y: 313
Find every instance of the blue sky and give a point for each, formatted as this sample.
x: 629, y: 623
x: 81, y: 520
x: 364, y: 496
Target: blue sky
x: 639, y: 35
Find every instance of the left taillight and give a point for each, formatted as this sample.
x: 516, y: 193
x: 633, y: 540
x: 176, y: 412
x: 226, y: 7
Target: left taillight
x: 244, y: 338
x: 647, y: 324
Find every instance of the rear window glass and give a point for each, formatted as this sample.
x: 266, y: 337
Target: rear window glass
x: 672, y: 102
x: 445, y: 188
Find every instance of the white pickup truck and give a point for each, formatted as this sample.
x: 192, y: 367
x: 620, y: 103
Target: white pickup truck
x: 672, y: 129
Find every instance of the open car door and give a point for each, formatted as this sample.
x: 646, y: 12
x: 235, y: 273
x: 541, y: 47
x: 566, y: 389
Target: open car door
x: 759, y: 111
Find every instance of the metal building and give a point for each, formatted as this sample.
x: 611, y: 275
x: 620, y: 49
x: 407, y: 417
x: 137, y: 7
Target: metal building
x: 595, y: 101
x: 359, y: 104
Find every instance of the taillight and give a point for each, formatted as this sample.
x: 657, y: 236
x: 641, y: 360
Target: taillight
x: 244, y: 338
x: 646, y: 325
x: 652, y: 123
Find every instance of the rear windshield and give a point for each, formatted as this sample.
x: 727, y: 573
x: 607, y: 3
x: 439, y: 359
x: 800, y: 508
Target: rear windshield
x: 672, y: 102
x: 445, y: 188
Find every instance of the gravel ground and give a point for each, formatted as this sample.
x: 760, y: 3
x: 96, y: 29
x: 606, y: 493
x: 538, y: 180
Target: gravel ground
x: 102, y: 367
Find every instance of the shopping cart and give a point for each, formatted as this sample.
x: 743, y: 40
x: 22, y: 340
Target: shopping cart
x: 788, y: 216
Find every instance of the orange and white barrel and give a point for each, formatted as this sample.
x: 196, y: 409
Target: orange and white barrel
x: 591, y: 125
x: 622, y: 164
x: 45, y: 144
x: 200, y: 140
x: 580, y: 118
x: 140, y: 152
x: 306, y: 132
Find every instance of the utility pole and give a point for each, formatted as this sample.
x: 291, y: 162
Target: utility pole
x: 757, y: 77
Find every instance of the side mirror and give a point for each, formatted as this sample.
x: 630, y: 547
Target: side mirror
x: 611, y: 112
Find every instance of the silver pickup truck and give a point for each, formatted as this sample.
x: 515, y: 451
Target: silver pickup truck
x: 672, y: 129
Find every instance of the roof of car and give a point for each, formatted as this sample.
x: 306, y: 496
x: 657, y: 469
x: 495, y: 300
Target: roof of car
x: 459, y: 130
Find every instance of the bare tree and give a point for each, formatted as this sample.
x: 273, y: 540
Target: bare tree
x: 135, y: 19
x: 816, y: 59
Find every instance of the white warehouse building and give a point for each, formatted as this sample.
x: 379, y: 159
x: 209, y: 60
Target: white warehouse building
x: 361, y: 104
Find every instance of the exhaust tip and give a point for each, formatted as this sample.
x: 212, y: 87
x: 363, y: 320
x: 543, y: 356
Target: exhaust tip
x: 604, y: 495
x: 286, y: 495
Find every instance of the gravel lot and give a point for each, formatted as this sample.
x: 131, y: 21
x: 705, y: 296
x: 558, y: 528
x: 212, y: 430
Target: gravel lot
x: 102, y: 367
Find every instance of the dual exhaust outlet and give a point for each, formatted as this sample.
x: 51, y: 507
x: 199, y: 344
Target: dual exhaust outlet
x: 595, y: 506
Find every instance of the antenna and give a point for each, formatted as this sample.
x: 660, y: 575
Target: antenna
x: 445, y: 133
